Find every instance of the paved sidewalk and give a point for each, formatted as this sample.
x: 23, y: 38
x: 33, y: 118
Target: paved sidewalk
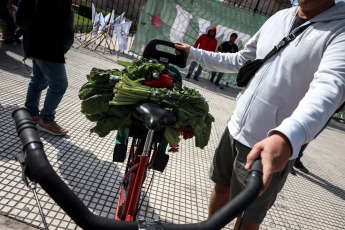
x: 7, y: 223
x: 180, y: 194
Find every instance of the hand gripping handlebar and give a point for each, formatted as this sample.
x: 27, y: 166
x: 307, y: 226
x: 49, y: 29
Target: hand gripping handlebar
x: 151, y: 51
x: 42, y: 172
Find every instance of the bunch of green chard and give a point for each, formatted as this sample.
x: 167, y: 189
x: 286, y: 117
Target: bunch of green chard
x: 109, y: 96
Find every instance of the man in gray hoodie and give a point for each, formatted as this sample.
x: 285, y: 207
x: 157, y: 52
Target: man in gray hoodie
x: 284, y: 106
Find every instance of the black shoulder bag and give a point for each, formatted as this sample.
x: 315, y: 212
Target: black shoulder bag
x: 248, y: 70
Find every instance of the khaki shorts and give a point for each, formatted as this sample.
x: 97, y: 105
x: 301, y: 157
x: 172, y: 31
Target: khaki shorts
x: 227, y: 169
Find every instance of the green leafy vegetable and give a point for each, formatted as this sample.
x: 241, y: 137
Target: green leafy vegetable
x: 103, y: 77
x: 89, y: 90
x: 143, y: 69
x: 98, y: 103
x: 107, y: 124
x: 128, y: 91
x: 109, y: 96
x: 172, y: 136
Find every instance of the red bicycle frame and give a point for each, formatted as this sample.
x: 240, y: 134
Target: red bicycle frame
x: 128, y: 200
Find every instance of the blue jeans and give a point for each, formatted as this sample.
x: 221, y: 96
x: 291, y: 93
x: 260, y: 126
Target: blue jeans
x: 46, y: 74
x: 191, y: 68
x: 220, y: 76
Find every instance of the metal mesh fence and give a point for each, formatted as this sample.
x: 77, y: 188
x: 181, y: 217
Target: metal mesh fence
x: 83, y: 11
x: 132, y: 9
x: 263, y: 7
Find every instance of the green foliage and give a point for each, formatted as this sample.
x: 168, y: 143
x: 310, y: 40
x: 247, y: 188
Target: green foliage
x: 143, y: 69
x: 172, y: 135
x: 85, y: 11
x: 96, y: 104
x: 89, y: 90
x: 117, y: 118
x: 109, y: 96
x: 82, y: 24
x: 104, y: 77
x: 95, y: 96
x: 129, y: 92
x: 192, y: 111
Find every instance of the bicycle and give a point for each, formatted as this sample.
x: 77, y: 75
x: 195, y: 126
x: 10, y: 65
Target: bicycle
x: 147, y: 133
x: 142, y: 154
x: 148, y: 126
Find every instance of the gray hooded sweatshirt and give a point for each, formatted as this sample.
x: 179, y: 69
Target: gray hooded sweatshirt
x: 298, y: 89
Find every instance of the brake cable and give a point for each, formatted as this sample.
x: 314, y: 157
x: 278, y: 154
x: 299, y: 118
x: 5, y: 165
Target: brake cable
x: 30, y: 183
x: 239, y: 227
x: 147, y: 190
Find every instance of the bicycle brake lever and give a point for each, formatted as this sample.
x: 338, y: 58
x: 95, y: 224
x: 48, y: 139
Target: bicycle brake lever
x: 26, y: 177
x: 29, y: 182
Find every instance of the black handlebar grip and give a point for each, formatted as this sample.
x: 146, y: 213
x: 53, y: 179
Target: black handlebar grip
x: 257, y: 165
x: 26, y: 127
x: 165, y: 57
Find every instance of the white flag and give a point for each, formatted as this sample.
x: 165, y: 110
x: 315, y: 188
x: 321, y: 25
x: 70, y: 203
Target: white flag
x: 106, y: 20
x: 93, y: 13
x: 123, y: 20
x: 100, y: 22
x: 119, y: 19
x: 96, y: 23
x: 122, y: 31
x: 111, y: 22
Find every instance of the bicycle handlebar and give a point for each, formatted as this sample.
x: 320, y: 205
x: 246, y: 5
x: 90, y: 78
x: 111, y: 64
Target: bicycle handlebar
x: 42, y: 172
x: 151, y: 51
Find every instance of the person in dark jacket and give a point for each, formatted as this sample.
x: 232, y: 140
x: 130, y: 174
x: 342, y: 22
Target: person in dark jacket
x: 48, y: 35
x: 206, y: 42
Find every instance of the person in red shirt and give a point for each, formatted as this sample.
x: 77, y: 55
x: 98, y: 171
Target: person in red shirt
x: 206, y: 42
